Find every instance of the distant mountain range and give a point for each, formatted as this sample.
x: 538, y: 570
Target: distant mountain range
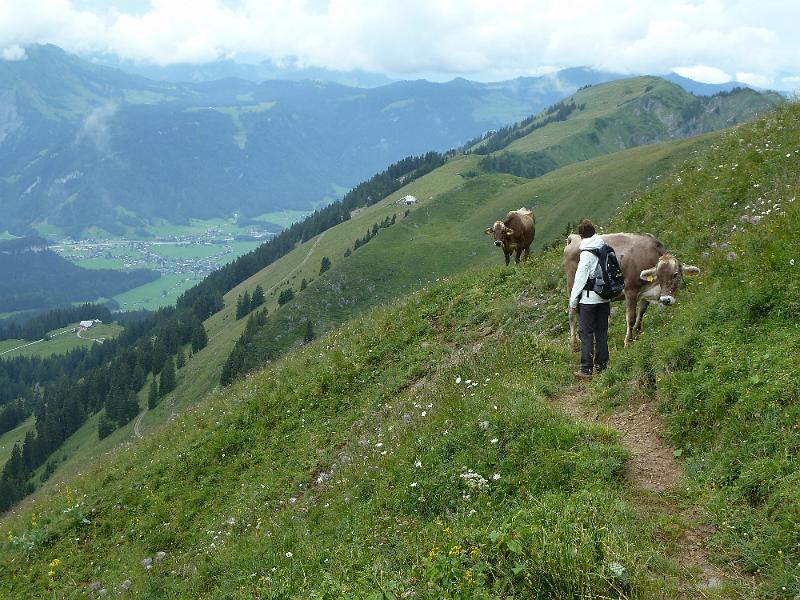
x: 88, y: 146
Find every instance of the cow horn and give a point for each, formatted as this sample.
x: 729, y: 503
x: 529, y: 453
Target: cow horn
x: 690, y: 269
x: 488, y: 231
x: 648, y: 274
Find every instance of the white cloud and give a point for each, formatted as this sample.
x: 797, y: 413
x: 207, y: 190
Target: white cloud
x: 482, y: 39
x: 13, y: 52
x: 703, y: 73
x: 754, y: 79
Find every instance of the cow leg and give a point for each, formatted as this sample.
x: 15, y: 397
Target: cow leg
x: 641, y: 308
x: 574, y: 344
x: 508, y: 257
x: 517, y: 252
x: 631, y: 301
x: 525, y: 254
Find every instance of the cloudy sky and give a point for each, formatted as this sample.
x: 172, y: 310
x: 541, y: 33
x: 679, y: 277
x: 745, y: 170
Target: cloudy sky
x: 755, y: 42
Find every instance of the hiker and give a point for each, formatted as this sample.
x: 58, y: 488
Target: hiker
x: 592, y: 309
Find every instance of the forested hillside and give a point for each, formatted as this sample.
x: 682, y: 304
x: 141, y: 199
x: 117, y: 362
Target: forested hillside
x: 423, y: 451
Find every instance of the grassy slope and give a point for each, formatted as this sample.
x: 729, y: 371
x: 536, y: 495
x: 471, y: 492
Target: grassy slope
x: 447, y: 237
x: 723, y: 367
x: 594, y: 187
x: 630, y: 112
x: 242, y: 492
x: 9, y: 438
x: 61, y: 341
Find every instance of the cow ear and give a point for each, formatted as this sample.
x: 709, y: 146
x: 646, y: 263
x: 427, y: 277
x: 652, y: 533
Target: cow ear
x: 509, y: 231
x: 488, y: 231
x: 648, y: 274
x: 690, y: 270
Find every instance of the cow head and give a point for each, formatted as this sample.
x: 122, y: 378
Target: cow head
x: 500, y: 232
x: 668, y: 275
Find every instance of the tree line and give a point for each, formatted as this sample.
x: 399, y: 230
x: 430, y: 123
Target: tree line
x: 364, y: 194
x: 497, y: 140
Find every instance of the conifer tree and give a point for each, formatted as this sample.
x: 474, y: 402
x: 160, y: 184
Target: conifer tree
x: 167, y: 381
x: 180, y: 360
x: 303, y: 284
x: 324, y: 265
x: 309, y: 335
x: 258, y: 298
x: 199, y: 336
x: 243, y: 305
x: 152, y: 396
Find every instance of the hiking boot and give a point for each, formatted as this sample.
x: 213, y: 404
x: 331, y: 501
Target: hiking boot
x: 582, y: 375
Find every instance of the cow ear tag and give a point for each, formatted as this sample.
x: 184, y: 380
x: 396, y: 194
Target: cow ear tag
x: 650, y: 278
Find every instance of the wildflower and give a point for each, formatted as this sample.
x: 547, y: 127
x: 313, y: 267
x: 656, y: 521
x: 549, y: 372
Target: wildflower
x: 617, y: 569
x: 413, y: 485
x: 469, y: 578
x: 791, y: 262
x: 458, y: 380
x: 496, y: 477
x: 147, y: 563
x: 484, y: 425
x: 447, y: 531
x: 289, y: 555
x: 433, y: 552
x: 159, y: 556
x: 417, y: 463
x: 455, y: 551
x: 493, y: 441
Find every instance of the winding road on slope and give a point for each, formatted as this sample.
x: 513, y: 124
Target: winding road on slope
x: 137, y: 425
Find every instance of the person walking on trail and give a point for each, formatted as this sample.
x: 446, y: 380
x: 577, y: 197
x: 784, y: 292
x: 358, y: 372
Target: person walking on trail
x: 593, y: 310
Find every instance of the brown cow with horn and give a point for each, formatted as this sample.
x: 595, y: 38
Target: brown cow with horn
x: 515, y: 234
x: 651, y: 275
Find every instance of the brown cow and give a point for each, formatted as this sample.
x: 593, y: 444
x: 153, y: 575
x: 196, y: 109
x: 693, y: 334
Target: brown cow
x: 515, y: 234
x: 651, y: 275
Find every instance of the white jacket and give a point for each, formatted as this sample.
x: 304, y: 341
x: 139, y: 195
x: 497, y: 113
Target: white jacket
x: 586, y: 267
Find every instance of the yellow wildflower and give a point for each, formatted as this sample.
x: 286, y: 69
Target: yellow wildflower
x: 433, y: 552
x: 455, y: 550
x: 469, y: 577
x: 474, y: 551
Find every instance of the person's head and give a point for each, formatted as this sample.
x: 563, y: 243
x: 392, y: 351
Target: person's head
x: 586, y: 229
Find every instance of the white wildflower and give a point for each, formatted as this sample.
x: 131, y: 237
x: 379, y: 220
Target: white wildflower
x: 289, y: 555
x: 458, y: 380
x: 493, y: 441
x: 496, y: 477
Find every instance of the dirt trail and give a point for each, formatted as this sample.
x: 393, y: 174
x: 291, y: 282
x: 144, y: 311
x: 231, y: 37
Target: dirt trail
x: 654, y: 472
x: 300, y: 264
x: 137, y: 425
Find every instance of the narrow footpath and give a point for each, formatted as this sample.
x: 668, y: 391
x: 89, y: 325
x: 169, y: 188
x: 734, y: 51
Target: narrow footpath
x: 654, y: 473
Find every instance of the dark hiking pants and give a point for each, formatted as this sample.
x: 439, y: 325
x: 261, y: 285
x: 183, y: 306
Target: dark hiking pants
x: 593, y: 322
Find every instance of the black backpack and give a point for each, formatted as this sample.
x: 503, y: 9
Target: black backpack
x: 608, y: 281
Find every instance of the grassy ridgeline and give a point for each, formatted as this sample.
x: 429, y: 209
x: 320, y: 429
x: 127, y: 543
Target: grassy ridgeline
x: 724, y: 364
x: 243, y: 496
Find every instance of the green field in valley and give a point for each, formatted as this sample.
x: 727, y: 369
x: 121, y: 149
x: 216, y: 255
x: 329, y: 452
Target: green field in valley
x: 61, y: 341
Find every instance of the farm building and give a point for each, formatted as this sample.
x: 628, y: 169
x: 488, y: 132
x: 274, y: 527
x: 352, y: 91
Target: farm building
x: 88, y: 324
x: 407, y: 201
